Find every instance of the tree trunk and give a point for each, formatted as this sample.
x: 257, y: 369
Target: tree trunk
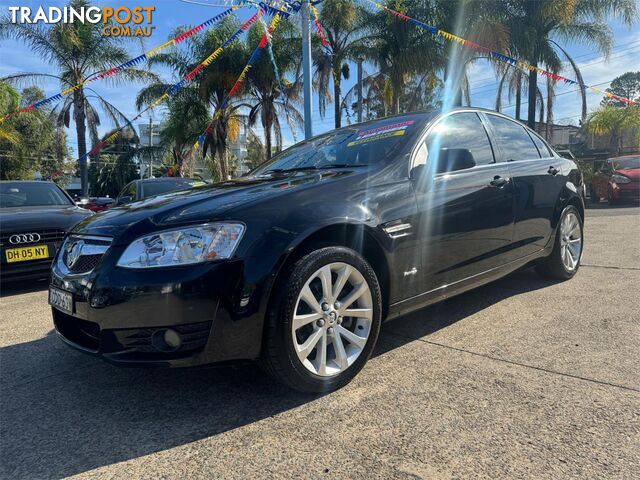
x: 81, y: 129
x: 533, y: 88
x: 224, y: 173
x: 518, y: 94
x: 267, y: 139
x: 336, y: 94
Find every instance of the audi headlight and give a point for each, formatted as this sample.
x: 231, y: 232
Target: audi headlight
x: 620, y: 179
x: 184, y: 246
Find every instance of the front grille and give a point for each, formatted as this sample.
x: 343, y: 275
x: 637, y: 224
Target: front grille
x: 46, y: 236
x: 86, y: 263
x: 81, y: 254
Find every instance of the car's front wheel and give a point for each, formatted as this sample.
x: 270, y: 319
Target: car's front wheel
x: 324, y: 321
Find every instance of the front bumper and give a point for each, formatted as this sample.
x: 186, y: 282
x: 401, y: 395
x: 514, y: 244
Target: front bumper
x: 626, y: 191
x: 29, y: 270
x: 117, y: 313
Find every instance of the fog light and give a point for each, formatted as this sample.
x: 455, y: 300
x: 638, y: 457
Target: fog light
x: 166, y: 340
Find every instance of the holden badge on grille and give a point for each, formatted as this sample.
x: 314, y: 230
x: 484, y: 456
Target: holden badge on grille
x: 74, y: 250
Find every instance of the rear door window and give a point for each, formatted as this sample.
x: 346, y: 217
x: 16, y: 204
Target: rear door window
x: 514, y: 141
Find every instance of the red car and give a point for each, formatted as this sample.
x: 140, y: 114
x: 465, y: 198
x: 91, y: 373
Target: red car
x: 96, y: 204
x: 618, y: 179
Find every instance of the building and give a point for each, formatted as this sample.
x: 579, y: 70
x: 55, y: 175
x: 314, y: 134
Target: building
x: 564, y: 135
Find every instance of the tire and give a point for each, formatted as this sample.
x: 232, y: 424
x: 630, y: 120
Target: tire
x: 564, y: 261
x: 286, y: 353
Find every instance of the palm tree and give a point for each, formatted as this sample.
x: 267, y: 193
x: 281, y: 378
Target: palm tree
x: 535, y: 23
x: 201, y: 100
x: 392, y: 44
x: 343, y: 28
x: 9, y: 102
x: 117, y: 166
x: 484, y: 23
x: 77, y: 51
x: 612, y: 120
x: 264, y: 91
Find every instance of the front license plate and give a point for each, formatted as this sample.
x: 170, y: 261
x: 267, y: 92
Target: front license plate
x: 23, y: 254
x: 61, y: 300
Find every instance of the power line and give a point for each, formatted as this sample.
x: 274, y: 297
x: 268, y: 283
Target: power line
x: 596, y: 52
x: 558, y: 94
x: 493, y: 84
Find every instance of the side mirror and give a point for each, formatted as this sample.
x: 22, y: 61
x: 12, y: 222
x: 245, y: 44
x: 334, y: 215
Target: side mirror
x: 123, y: 200
x: 417, y: 172
x: 454, y: 159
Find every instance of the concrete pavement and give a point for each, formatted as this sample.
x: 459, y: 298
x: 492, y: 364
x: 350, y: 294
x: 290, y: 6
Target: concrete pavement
x: 522, y: 378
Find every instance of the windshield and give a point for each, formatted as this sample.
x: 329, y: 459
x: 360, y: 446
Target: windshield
x: 18, y: 194
x: 627, y: 163
x: 369, y: 144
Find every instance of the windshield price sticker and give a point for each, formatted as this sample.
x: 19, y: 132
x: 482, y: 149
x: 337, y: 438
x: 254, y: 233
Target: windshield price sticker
x: 380, y: 133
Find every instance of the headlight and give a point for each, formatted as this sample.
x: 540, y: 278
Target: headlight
x: 184, y: 246
x: 620, y: 179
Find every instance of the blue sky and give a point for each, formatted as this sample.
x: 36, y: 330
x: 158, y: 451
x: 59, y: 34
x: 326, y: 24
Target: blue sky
x: 169, y: 14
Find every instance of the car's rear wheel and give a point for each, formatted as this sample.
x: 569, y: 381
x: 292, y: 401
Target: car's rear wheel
x: 564, y: 261
x: 324, y: 321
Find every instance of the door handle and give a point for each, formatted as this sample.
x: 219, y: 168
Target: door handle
x: 498, y: 181
x: 553, y: 170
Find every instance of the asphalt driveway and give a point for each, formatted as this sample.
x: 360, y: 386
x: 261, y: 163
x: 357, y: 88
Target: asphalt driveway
x: 523, y: 378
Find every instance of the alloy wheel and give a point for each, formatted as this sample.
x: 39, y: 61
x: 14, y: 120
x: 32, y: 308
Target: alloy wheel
x: 332, y: 319
x: 570, y: 241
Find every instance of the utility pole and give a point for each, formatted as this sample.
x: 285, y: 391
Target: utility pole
x: 306, y: 68
x: 150, y: 145
x: 359, y: 106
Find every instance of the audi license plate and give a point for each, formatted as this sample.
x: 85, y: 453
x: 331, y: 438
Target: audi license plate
x: 23, y: 254
x: 61, y: 300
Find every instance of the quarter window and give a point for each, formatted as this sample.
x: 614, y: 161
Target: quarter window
x: 514, y: 140
x: 457, y: 142
x: 542, y: 147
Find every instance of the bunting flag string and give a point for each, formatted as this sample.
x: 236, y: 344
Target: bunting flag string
x: 255, y: 55
x: 496, y: 55
x: 128, y: 64
x: 276, y: 74
x: 179, y: 85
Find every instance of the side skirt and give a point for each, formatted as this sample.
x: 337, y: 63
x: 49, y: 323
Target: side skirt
x: 447, y: 291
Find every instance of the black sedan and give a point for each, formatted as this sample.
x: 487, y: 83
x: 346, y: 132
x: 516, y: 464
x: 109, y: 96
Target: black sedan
x: 149, y: 187
x: 34, y: 217
x: 297, y: 264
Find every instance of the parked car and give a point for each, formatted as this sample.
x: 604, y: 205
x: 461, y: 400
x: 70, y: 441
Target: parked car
x: 34, y: 217
x: 618, y: 179
x: 141, y: 189
x: 297, y: 264
x: 96, y: 204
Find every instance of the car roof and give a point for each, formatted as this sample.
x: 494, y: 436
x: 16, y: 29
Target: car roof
x: 29, y: 181
x: 165, y: 179
x: 427, y: 115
